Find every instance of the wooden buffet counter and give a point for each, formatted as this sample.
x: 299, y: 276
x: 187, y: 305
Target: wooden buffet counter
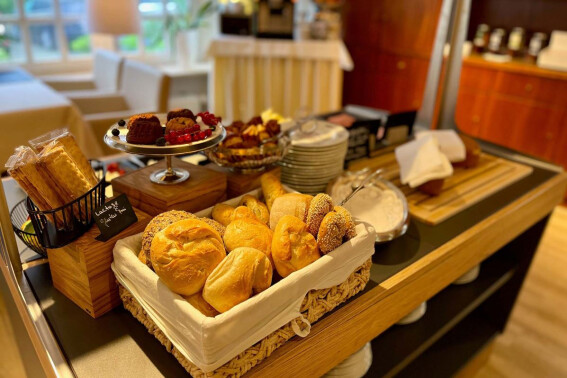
x: 502, y: 231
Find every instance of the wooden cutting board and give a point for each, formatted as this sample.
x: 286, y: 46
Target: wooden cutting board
x: 460, y: 191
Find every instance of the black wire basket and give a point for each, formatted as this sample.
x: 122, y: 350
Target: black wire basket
x: 19, y: 215
x: 59, y: 227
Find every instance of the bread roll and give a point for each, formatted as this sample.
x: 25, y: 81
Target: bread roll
x: 196, y: 300
x: 473, y: 151
x: 293, y: 247
x: 243, y: 273
x: 432, y: 187
x: 258, y: 208
x: 320, y: 205
x: 331, y: 232
x: 185, y: 253
x: 249, y: 233
x: 214, y: 224
x: 350, y: 225
x: 295, y: 204
x: 158, y: 223
x: 243, y: 212
x: 272, y: 188
x: 222, y: 213
x: 142, y: 257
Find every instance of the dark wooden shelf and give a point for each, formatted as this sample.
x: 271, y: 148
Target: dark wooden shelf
x: 448, y: 355
x: 400, y: 345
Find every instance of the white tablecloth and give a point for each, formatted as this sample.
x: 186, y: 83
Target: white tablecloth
x: 30, y: 108
x: 250, y: 75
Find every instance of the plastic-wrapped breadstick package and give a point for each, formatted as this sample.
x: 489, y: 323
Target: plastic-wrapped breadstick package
x: 63, y: 138
x: 24, y: 167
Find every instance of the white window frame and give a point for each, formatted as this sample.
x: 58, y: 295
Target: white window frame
x: 59, y: 20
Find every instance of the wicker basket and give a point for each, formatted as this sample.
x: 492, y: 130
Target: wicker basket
x: 315, y: 304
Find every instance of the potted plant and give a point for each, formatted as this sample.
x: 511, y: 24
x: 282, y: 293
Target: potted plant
x: 183, y: 26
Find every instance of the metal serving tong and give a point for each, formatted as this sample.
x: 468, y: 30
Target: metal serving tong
x: 298, y: 125
x: 376, y: 173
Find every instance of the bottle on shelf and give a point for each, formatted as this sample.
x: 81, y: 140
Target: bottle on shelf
x: 481, y: 38
x: 537, y: 43
x: 496, y: 42
x: 516, y: 42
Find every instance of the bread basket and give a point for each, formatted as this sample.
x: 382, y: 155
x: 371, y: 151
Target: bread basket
x: 249, y: 160
x: 232, y: 343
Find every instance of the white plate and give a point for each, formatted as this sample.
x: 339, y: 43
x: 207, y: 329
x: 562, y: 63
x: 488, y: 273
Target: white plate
x: 323, y: 134
x: 306, y: 174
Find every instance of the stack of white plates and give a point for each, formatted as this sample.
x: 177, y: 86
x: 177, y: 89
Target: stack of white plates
x: 316, y: 156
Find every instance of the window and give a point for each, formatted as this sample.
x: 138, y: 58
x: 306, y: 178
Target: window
x: 34, y: 31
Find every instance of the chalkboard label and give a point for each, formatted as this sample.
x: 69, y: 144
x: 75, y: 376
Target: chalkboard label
x: 113, y: 217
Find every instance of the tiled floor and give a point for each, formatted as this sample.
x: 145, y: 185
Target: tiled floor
x: 535, y: 341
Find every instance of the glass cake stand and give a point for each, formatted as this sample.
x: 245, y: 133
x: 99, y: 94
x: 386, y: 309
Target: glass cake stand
x: 169, y: 175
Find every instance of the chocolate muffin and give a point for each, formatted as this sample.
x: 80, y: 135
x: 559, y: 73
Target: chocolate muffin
x: 180, y: 113
x: 144, y: 129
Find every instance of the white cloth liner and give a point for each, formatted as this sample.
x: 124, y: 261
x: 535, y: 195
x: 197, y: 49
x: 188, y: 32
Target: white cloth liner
x: 211, y: 342
x: 421, y: 160
x: 449, y: 143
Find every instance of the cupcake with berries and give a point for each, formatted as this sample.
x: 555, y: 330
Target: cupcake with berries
x: 182, y: 129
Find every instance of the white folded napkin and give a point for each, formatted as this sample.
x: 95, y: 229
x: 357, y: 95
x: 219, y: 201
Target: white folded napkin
x: 421, y: 160
x: 449, y: 143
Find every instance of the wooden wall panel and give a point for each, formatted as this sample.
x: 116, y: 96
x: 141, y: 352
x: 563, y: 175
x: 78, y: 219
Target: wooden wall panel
x: 390, y: 42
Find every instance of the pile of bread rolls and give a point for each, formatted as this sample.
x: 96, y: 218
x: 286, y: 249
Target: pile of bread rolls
x: 218, y: 263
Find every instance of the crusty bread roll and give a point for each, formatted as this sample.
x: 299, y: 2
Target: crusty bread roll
x: 295, y: 204
x: 243, y: 212
x: 350, y: 225
x: 271, y: 188
x: 320, y: 205
x: 222, y: 213
x: 196, y: 300
x: 158, y: 223
x: 185, y: 253
x: 473, y: 151
x: 258, y: 208
x: 243, y: 273
x: 142, y: 257
x: 331, y: 232
x: 293, y: 247
x: 249, y: 233
x: 432, y: 187
x: 214, y: 224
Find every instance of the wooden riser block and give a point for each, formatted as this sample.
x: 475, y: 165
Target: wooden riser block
x: 238, y: 183
x: 204, y: 188
x: 81, y: 269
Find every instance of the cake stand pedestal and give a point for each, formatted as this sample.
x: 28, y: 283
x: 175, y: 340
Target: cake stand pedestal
x: 169, y: 175
x: 205, y: 188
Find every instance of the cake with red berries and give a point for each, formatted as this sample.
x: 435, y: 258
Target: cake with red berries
x: 183, y: 130
x: 179, y: 123
x: 144, y: 129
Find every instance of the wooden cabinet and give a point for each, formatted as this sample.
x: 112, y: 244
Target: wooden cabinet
x: 516, y: 105
x: 391, y: 82
x: 390, y: 42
